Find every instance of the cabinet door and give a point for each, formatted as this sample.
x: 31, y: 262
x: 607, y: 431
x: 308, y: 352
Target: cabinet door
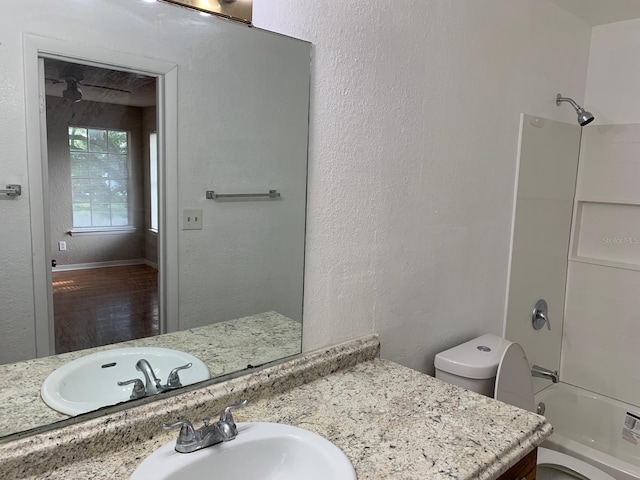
x: 524, y: 469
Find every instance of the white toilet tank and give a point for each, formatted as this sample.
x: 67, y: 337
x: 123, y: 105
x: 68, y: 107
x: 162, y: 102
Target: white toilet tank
x: 472, y: 365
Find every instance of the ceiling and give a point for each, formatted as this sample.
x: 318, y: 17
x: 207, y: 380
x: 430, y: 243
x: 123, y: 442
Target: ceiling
x: 99, y: 84
x: 598, y: 12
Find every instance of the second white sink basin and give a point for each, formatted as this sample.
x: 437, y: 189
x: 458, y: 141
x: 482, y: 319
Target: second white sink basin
x: 261, y: 451
x: 91, y: 382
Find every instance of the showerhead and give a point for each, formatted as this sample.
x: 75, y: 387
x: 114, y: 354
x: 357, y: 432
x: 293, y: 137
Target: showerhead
x: 584, y: 117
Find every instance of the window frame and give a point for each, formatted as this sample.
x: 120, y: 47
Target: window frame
x: 103, y: 229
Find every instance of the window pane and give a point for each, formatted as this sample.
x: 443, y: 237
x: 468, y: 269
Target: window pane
x: 77, y: 138
x: 117, y: 142
x: 81, y: 190
x: 118, y: 166
x: 97, y: 140
x: 81, y: 215
x: 153, y: 180
x: 118, y: 191
x: 98, y: 164
x: 101, y: 215
x: 79, y: 164
x: 119, y: 214
x: 100, y: 189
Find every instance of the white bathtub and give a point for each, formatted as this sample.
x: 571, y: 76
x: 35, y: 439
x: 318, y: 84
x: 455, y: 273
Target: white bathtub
x: 591, y: 427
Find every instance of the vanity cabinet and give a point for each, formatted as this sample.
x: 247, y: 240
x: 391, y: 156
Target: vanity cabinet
x: 524, y: 469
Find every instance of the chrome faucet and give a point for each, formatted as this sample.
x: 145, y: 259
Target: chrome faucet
x: 542, y: 372
x: 191, y: 440
x: 152, y: 384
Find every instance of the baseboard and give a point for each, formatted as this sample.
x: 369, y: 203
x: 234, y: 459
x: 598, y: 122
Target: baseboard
x: 150, y: 263
x: 114, y: 263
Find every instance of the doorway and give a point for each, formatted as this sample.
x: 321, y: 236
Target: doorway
x: 102, y: 169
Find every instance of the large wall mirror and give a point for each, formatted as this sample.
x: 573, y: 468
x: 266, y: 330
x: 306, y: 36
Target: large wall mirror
x: 163, y: 168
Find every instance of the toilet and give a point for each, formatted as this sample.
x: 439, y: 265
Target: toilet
x: 498, y: 368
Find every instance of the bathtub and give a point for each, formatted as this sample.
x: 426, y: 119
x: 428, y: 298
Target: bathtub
x: 593, y: 428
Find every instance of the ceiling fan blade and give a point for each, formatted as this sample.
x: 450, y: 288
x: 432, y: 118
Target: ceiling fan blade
x: 103, y: 87
x: 54, y: 81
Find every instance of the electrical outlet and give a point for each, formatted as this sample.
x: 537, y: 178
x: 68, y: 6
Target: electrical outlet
x: 62, y: 246
x: 192, y: 219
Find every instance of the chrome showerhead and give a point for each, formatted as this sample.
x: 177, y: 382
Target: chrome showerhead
x: 584, y: 117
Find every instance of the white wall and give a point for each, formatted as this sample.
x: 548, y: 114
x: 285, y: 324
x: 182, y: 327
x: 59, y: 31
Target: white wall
x: 602, y: 327
x: 225, y: 119
x: 414, y: 128
x: 614, y: 74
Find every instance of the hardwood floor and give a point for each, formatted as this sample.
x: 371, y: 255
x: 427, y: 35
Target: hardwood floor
x: 101, y: 306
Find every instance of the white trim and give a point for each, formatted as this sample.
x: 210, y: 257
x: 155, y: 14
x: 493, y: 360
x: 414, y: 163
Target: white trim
x: 38, y: 197
x: 34, y: 47
x: 149, y: 263
x: 92, y: 265
x: 168, y: 203
x: 78, y: 232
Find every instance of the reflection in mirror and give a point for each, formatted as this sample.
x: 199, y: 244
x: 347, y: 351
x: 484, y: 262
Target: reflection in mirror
x: 103, y: 227
x: 231, y: 116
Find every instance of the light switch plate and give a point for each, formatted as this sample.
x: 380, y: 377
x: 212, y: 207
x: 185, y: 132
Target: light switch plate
x: 192, y: 219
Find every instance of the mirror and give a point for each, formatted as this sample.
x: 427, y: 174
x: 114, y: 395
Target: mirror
x: 231, y: 118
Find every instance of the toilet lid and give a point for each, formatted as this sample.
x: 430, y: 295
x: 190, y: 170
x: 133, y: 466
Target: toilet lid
x: 513, y: 381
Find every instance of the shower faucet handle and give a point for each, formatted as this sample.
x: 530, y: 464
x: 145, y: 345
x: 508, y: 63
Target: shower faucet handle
x: 540, y: 315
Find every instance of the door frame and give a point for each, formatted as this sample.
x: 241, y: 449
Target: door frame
x: 36, y: 47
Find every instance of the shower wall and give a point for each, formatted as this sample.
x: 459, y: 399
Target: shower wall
x: 547, y: 163
x: 602, y: 321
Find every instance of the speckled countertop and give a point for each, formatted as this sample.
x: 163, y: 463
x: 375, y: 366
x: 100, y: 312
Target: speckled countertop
x: 224, y: 347
x: 392, y: 422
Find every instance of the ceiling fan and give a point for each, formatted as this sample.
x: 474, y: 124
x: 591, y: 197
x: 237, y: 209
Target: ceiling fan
x: 73, y: 76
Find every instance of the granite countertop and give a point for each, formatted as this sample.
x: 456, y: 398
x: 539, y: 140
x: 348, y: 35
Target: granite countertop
x: 224, y: 347
x: 391, y: 421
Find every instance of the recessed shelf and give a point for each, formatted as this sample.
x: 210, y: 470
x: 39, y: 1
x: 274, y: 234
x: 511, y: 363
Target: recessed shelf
x: 607, y: 234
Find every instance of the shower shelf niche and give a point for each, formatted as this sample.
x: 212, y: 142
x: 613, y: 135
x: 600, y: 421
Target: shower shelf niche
x: 603, y: 234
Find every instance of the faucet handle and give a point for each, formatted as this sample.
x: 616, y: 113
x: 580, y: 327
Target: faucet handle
x: 174, y: 379
x: 540, y: 315
x: 187, y: 432
x: 226, y: 416
x: 138, y: 388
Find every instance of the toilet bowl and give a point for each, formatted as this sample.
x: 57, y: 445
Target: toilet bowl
x: 554, y: 465
x: 498, y: 368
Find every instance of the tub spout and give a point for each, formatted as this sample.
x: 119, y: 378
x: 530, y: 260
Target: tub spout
x: 542, y: 372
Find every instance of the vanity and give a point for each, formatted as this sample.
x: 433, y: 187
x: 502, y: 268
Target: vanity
x: 390, y: 421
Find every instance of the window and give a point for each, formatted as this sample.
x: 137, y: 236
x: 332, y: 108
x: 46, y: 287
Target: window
x: 153, y: 179
x: 99, y: 177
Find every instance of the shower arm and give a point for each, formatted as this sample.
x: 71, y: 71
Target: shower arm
x: 560, y: 99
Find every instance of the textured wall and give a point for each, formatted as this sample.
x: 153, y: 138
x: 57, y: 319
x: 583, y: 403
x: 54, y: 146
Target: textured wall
x: 414, y: 128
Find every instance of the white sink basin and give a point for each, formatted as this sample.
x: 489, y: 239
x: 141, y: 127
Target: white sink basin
x: 261, y: 451
x: 91, y: 382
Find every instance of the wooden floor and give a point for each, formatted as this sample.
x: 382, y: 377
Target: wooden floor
x: 102, y: 306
